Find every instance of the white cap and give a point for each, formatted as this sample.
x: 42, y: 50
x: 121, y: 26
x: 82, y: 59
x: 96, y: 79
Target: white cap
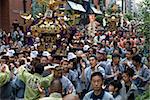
x: 37, y: 39
x: 32, y: 47
x: 10, y: 53
x: 71, y: 55
x: 86, y: 47
x: 50, y: 67
x: 79, y: 53
x: 46, y: 53
x: 28, y: 33
x: 33, y: 54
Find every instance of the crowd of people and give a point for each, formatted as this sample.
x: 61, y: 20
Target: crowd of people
x: 108, y: 66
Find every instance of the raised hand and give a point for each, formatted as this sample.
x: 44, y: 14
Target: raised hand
x: 3, y: 69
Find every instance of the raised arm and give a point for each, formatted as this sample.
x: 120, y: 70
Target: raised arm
x: 23, y: 74
x: 4, y: 75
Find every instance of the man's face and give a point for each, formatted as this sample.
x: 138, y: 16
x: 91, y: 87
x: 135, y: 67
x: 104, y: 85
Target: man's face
x: 65, y: 66
x: 103, y: 42
x: 107, y: 43
x: 50, y: 59
x: 134, y: 62
x: 128, y: 54
x: 93, y: 61
x: 58, y: 73
x: 125, y: 77
x: 134, y: 50
x: 127, y: 45
x: 70, y: 65
x: 44, y: 60
x: 111, y: 88
x: 77, y: 36
x: 116, y: 60
x: 90, y: 51
x: 96, y: 83
x: 100, y: 56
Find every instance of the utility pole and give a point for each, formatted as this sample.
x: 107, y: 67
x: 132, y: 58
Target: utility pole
x: 123, y: 6
x: 24, y: 8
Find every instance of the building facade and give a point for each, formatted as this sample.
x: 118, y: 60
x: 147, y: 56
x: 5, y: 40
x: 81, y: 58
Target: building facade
x: 10, y: 11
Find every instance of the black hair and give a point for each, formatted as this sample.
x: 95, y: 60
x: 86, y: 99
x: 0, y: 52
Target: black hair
x: 118, y: 49
x: 56, y: 86
x: 94, y: 56
x: 137, y: 58
x: 97, y: 74
x: 28, y: 60
x: 130, y: 50
x: 21, y: 62
x: 58, y: 68
x: 2, y: 53
x: 135, y: 48
x: 128, y: 42
x: 64, y: 60
x: 115, y: 44
x: 94, y: 50
x: 35, y: 62
x: 5, y: 57
x: 115, y: 55
x: 44, y: 57
x: 74, y: 60
x: 116, y: 84
x: 129, y: 72
x: 39, y: 68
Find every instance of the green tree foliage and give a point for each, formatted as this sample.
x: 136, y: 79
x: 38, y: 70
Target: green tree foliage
x: 145, y: 96
x: 128, y: 16
x: 39, y: 7
x: 99, y: 18
x: 145, y: 27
